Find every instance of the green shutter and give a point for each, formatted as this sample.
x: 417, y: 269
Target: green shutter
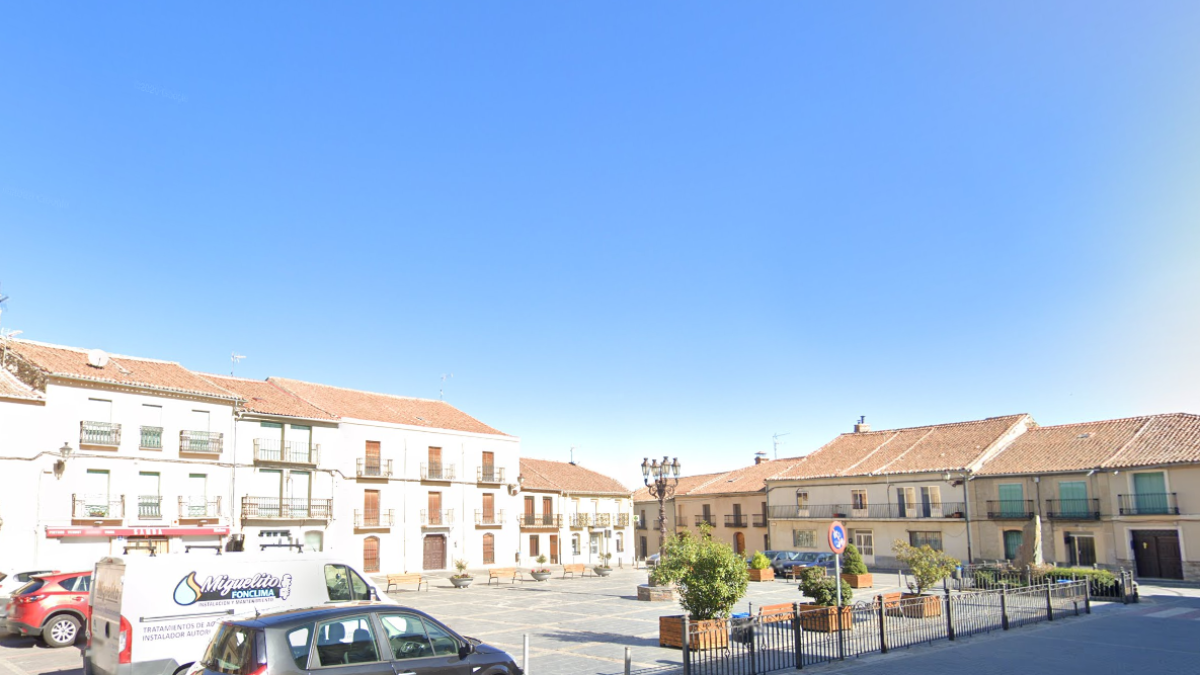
x: 1151, y: 492
x: 1012, y: 500
x: 1073, y: 499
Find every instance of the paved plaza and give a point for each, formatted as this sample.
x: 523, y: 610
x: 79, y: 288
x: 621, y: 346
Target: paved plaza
x: 582, y: 627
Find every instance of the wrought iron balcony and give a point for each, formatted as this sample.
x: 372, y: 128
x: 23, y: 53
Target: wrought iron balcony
x: 1010, y: 509
x: 437, y: 517
x: 368, y: 518
x: 602, y: 520
x: 622, y: 520
x: 98, y: 507
x: 760, y: 520
x: 641, y: 524
x: 1149, y: 504
x: 437, y: 471
x: 274, y: 451
x: 287, y: 508
x: 488, y: 473
x: 492, y: 517
x: 373, y: 467
x: 896, y: 511
x: 201, y: 442
x: 541, y: 520
x: 1073, y: 509
x: 149, y: 507
x: 151, y: 438
x: 100, y: 433
x: 581, y: 519
x: 705, y: 520
x: 736, y: 520
x: 200, y: 507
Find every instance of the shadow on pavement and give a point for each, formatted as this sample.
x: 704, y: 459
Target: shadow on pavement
x: 605, y: 638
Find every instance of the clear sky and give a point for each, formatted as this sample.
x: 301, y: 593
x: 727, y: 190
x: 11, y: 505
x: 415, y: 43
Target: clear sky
x: 636, y: 228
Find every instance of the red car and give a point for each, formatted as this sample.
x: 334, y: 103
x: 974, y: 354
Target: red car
x: 51, y: 606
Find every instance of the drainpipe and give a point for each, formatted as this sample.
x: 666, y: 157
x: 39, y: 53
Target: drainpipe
x: 967, y: 515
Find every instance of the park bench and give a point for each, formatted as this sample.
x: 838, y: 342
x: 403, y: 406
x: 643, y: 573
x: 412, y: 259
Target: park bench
x: 783, y: 611
x: 509, y: 573
x: 573, y: 569
x: 397, y: 579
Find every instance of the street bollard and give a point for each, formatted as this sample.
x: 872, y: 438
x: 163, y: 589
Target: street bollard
x: 525, y: 655
x: 628, y: 659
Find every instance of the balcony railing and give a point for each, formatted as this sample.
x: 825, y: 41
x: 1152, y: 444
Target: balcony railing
x: 1149, y: 504
x: 760, y: 520
x: 99, y: 433
x: 1010, y: 509
x: 581, y: 519
x: 641, y: 524
x: 287, y: 508
x: 286, y: 452
x: 492, y: 517
x: 871, y: 512
x: 602, y: 519
x: 437, y: 471
x: 151, y: 438
x: 373, y: 467
x: 705, y: 520
x: 199, y: 507
x: 1073, y: 509
x: 622, y: 520
x: 202, y: 442
x: 736, y: 520
x: 488, y: 473
x: 437, y: 517
x: 149, y: 507
x: 98, y: 507
x: 540, y: 520
x: 364, y: 518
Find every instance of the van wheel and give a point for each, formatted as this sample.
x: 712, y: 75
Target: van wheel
x: 62, y: 631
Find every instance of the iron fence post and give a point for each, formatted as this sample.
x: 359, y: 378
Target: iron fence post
x: 796, y: 635
x: 841, y: 638
x: 1087, y: 596
x: 1049, y: 603
x: 883, y: 646
x: 687, y: 639
x: 949, y: 611
x: 1004, y: 606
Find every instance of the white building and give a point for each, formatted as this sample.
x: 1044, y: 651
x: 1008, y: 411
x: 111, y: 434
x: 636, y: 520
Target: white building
x: 573, y: 515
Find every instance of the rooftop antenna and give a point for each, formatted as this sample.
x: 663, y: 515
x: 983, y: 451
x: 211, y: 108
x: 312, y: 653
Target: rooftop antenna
x: 234, y: 358
x: 441, y: 389
x: 573, y: 455
x: 776, y: 438
x: 5, y: 335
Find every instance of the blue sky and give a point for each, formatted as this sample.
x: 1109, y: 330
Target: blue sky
x: 640, y: 230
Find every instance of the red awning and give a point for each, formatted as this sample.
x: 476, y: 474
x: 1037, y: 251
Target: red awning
x: 62, y: 532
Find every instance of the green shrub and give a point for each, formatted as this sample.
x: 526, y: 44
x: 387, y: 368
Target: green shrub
x: 823, y: 589
x: 1100, y: 578
x: 852, y: 562
x: 710, y: 575
x: 927, y: 565
x: 760, y: 561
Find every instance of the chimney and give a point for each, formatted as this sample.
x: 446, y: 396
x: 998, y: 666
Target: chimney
x: 861, y: 427
x: 760, y: 457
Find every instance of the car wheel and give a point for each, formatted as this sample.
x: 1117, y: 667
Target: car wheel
x: 62, y: 631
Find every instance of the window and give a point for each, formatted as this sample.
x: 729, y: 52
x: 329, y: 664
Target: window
x: 931, y: 539
x: 345, y: 585
x: 533, y: 546
x: 1012, y: 543
x: 149, y: 499
x: 372, y: 463
x: 1012, y: 500
x: 547, y: 506
x: 77, y: 584
x: 435, y: 463
x: 575, y: 545
x: 151, y: 429
x: 1150, y: 493
x: 489, y: 549
x: 802, y: 499
x: 370, y: 508
x: 931, y: 501
x: 298, y: 642
x: 906, y: 499
x: 804, y: 538
x: 99, y: 410
x: 410, y: 637
x: 346, y: 641
x: 371, y: 554
x: 620, y: 542
x: 1081, y: 550
x: 314, y: 541
x: 864, y: 541
x: 435, y: 508
x: 1073, y: 501
x: 858, y: 499
x: 489, y: 508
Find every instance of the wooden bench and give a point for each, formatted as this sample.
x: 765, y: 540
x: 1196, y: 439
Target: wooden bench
x: 509, y: 573
x: 577, y: 568
x: 783, y: 611
x: 397, y: 579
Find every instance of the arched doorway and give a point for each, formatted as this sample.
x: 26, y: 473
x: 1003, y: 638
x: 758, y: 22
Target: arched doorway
x: 739, y: 543
x: 371, y: 554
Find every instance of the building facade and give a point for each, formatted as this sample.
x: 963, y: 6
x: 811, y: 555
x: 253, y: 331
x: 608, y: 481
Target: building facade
x: 573, y: 515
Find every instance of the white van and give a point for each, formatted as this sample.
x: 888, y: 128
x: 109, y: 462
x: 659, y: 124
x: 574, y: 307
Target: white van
x: 154, y: 616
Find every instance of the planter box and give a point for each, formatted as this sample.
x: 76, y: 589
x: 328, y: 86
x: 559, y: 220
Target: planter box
x: 540, y: 576
x: 602, y: 571
x: 824, y: 619
x: 649, y: 593
x: 461, y: 582
x: 911, y: 607
x: 762, y: 575
x: 858, y: 580
x: 708, y: 634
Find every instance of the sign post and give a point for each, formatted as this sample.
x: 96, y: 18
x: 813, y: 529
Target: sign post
x: 837, y: 544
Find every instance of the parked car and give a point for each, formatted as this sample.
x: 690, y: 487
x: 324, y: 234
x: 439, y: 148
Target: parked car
x: 808, y: 559
x: 374, y: 638
x: 777, y: 558
x: 9, y: 583
x: 53, y: 607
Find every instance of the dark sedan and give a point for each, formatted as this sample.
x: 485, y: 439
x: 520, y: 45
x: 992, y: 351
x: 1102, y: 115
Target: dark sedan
x: 791, y: 568
x: 368, y: 638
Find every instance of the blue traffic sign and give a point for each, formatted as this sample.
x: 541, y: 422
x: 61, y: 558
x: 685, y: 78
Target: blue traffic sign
x: 837, y: 537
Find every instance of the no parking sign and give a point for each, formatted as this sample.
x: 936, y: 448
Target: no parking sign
x: 837, y: 537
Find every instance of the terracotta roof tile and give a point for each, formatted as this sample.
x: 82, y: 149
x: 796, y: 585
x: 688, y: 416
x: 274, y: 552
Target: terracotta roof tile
x: 543, y: 474
x: 265, y: 397
x: 746, y: 479
x: 72, y: 362
x: 685, y: 486
x: 1066, y: 447
x: 12, y: 388
x: 365, y: 405
x: 1165, y: 439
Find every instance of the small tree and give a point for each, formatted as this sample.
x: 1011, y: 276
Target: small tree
x: 928, y: 566
x: 823, y: 589
x: 604, y: 562
x: 852, y: 562
x: 541, y: 561
x: 461, y: 566
x: 710, y: 575
x: 760, y: 561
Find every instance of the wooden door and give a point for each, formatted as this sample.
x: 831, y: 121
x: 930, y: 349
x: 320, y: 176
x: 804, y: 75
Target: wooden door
x: 548, y: 506
x: 435, y: 508
x: 435, y: 463
x: 435, y: 552
x: 489, y: 549
x: 739, y: 543
x: 371, y: 463
x: 489, y: 508
x: 371, y: 508
x: 371, y: 554
x: 1157, y: 554
x: 554, y: 549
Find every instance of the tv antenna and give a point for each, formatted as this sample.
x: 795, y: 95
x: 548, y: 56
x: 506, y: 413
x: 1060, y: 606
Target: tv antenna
x: 441, y: 389
x: 573, y: 454
x: 5, y: 335
x: 775, y: 438
x: 234, y: 359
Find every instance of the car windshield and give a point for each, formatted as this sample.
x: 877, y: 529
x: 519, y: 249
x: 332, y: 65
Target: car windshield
x: 807, y: 557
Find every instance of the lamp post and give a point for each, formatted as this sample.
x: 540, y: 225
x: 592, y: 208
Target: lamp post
x: 963, y: 478
x: 661, y: 479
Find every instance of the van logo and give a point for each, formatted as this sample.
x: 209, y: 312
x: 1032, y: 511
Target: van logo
x: 227, y: 590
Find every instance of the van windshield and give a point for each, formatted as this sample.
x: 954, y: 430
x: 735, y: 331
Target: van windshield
x: 344, y: 585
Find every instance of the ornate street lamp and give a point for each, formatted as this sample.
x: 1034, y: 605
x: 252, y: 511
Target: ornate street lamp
x: 661, y: 479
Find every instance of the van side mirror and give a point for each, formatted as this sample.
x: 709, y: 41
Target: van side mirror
x: 464, y: 650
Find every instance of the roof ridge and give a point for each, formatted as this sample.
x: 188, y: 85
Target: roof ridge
x: 111, y: 355
x: 360, y: 391
x: 1115, y: 419
x: 927, y: 426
